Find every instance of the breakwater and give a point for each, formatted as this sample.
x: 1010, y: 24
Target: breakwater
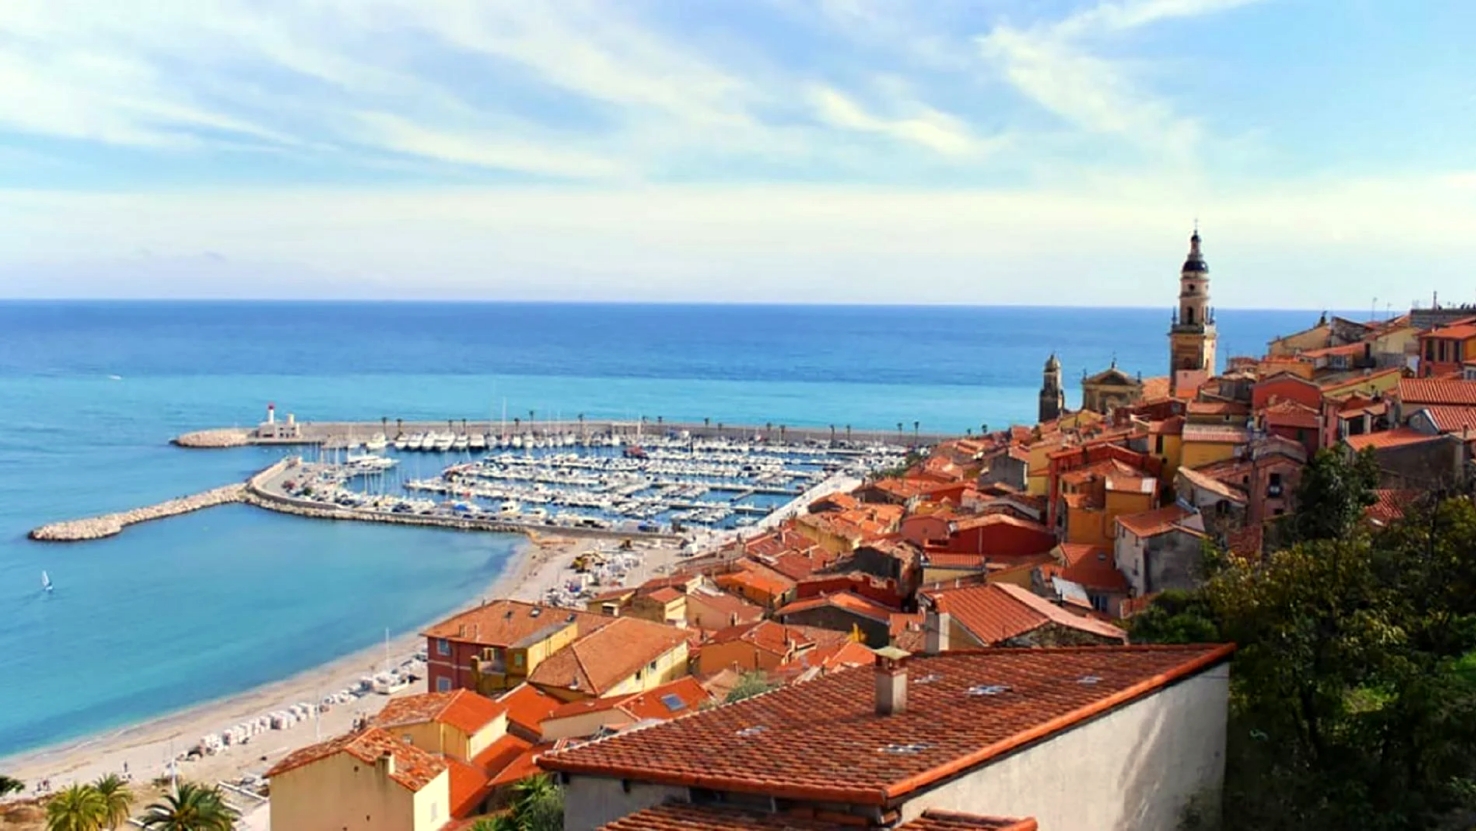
x: 338, y: 433
x: 107, y: 525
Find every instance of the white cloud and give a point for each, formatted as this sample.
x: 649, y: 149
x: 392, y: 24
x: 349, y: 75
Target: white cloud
x: 1052, y: 65
x: 926, y: 126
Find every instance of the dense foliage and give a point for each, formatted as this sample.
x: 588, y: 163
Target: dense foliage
x: 1353, y: 698
x: 537, y: 805
x: 749, y: 685
x: 10, y: 785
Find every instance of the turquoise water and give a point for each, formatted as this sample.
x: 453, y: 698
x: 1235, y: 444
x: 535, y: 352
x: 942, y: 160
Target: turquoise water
x: 185, y: 610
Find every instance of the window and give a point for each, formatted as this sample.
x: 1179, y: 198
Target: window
x: 651, y: 666
x: 1159, y: 447
x: 517, y: 659
x: 443, y: 684
x: 443, y: 646
x: 1188, y: 315
x: 434, y: 812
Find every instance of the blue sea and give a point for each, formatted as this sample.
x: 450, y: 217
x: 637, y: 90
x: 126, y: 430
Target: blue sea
x: 182, y: 611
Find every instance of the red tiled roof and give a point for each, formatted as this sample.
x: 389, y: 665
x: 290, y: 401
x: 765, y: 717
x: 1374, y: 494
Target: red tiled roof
x: 527, y: 707
x: 1216, y: 408
x: 1451, y: 418
x: 824, y: 740
x: 1092, y: 567
x: 595, y: 663
x: 1397, y: 437
x: 1460, y: 330
x: 1390, y: 505
x: 683, y: 817
x: 522, y: 766
x: 665, y: 595
x: 1156, y: 388
x: 998, y: 519
x: 462, y: 709
x: 944, y: 559
x: 468, y: 787
x: 649, y: 704
x: 845, y: 601
x: 414, y: 768
x: 1171, y: 426
x: 1200, y: 480
x: 775, y: 638
x: 1289, y: 413
x: 997, y: 612
x: 1154, y: 522
x: 511, y: 623
x: 727, y: 604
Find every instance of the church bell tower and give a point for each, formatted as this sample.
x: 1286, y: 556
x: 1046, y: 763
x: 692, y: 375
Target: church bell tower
x: 1192, y: 334
x: 1052, y: 394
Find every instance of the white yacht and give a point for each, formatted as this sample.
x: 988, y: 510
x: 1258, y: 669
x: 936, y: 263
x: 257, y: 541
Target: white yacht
x: 401, y: 443
x: 461, y: 442
x: 415, y: 442
x: 477, y: 442
x: 376, y: 443
x: 444, y: 442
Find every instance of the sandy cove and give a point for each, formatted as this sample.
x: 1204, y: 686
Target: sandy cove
x: 146, y: 748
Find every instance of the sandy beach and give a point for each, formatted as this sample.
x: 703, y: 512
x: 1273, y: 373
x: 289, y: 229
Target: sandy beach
x: 144, y: 750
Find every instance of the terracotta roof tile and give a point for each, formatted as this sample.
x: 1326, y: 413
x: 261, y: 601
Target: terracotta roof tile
x: 595, y: 663
x: 1216, y: 408
x: 683, y: 817
x: 469, y: 786
x: 1289, y: 413
x: 824, y: 741
x: 996, y: 612
x: 655, y: 703
x: 1391, y: 505
x: 527, y: 707
x: 776, y: 638
x: 1451, y: 418
x: 511, y: 623
x: 1155, y: 522
x: 846, y: 601
x: 1216, y: 486
x: 1397, y: 437
x: 1427, y: 391
x: 462, y: 709
x: 1155, y: 389
x: 1092, y: 567
x: 1216, y: 433
x: 665, y: 594
x: 414, y: 768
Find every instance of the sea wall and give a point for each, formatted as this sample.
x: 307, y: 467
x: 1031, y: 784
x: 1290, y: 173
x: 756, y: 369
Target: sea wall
x: 107, y: 525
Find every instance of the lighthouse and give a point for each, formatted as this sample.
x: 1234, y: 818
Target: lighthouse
x: 271, y: 413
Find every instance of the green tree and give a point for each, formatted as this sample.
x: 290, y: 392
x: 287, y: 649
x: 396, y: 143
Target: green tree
x: 1332, y: 494
x: 192, y: 807
x: 749, y: 685
x: 117, y: 799
x: 10, y: 785
x: 538, y: 805
x: 1175, y: 616
x: 78, y: 808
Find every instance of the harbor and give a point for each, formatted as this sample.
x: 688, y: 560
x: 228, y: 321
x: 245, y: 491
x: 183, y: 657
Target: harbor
x: 627, y: 480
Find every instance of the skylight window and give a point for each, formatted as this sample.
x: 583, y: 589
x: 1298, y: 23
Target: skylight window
x: 904, y: 749
x: 1088, y: 679
x: 752, y: 731
x: 673, y: 702
x: 928, y: 679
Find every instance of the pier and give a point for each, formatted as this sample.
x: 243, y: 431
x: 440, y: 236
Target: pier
x: 332, y: 434
x: 108, y: 525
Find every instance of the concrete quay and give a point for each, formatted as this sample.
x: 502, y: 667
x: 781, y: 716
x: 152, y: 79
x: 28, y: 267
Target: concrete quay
x: 338, y: 433
x: 107, y: 525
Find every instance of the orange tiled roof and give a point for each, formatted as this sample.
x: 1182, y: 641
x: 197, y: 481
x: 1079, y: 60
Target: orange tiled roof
x: 1155, y: 389
x: 683, y: 817
x: 1216, y: 433
x: 414, y: 768
x: 987, y: 520
x: 1155, y: 522
x: 522, y: 766
x: 666, y: 594
x: 824, y: 740
x: 1171, y: 426
x: 512, y: 623
x: 767, y: 581
x: 944, y: 559
x: 1397, y: 437
x: 1092, y: 567
x: 650, y: 704
x: 1390, y: 505
x: 462, y: 709
x: 1289, y: 413
x: 846, y: 601
x: 1428, y: 391
x: 776, y: 638
x: 1216, y: 408
x: 1450, y: 418
x: 468, y: 787
x: 1459, y: 330
x: 597, y: 662
x: 996, y: 612
x: 1213, y: 485
x: 527, y: 706
x: 727, y: 604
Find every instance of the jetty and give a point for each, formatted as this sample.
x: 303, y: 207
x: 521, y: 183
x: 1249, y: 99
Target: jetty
x: 107, y: 525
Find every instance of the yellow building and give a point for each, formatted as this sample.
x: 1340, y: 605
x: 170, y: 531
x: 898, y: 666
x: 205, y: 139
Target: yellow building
x: 629, y: 655
x: 1166, y: 441
x: 365, y: 781
x: 1093, y: 497
x: 1205, y: 444
x: 497, y: 646
x: 458, y: 724
x: 665, y: 605
x: 1373, y: 383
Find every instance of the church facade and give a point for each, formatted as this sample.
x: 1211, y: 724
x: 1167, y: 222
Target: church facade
x: 1192, y: 342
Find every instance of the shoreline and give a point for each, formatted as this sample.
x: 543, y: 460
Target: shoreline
x: 145, y: 746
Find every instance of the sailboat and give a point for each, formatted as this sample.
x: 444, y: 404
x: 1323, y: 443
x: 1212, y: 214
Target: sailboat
x: 45, y: 582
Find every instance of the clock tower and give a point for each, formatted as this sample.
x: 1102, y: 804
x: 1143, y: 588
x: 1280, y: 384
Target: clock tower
x: 1192, y: 334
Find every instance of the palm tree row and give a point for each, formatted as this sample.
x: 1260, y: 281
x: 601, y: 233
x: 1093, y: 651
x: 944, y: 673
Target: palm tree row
x: 107, y: 803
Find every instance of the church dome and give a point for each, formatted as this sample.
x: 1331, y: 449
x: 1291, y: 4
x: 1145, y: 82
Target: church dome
x: 1052, y: 363
x: 1195, y: 263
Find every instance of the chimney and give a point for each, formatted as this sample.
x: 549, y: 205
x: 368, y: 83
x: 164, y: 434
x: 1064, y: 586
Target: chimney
x: 386, y: 763
x: 937, y: 625
x: 891, y: 681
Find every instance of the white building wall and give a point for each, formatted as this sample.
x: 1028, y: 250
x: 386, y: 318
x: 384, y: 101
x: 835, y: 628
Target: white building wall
x: 592, y: 801
x: 1128, y: 552
x: 1134, y: 769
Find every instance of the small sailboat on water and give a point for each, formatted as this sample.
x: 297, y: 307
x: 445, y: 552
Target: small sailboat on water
x: 45, y: 582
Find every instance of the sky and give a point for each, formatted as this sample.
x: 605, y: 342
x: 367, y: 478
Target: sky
x: 814, y: 151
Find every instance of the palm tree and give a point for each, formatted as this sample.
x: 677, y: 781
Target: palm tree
x: 10, y: 785
x: 191, y: 807
x: 78, y: 808
x: 399, y: 427
x: 538, y: 805
x: 848, y: 432
x: 117, y: 799
x: 384, y: 424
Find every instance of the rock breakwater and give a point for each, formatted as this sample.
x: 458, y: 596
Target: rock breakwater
x: 107, y: 525
x: 226, y: 437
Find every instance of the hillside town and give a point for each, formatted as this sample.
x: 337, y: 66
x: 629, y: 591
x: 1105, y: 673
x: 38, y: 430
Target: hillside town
x: 950, y: 646
x: 940, y: 648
